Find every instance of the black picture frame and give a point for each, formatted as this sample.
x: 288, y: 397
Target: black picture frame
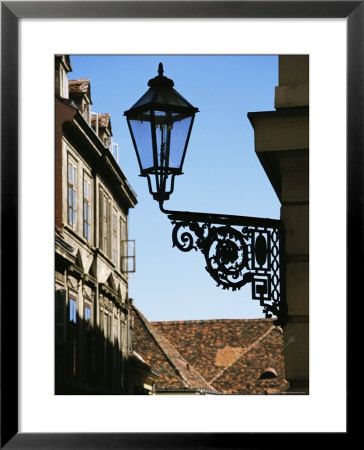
x: 11, y: 12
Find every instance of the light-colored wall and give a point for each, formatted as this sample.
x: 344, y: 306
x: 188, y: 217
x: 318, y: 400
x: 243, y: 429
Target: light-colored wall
x: 86, y: 249
x: 293, y: 92
x: 282, y: 145
x: 293, y: 89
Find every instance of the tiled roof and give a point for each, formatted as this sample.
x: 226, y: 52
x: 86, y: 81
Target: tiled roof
x: 175, y: 372
x: 104, y: 120
x: 230, y: 354
x: 79, y: 86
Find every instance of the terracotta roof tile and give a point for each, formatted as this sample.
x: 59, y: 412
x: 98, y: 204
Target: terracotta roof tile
x: 79, y: 86
x: 175, y: 372
x: 230, y: 354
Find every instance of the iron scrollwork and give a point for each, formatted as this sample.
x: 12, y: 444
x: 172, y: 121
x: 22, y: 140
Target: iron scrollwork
x: 237, y: 250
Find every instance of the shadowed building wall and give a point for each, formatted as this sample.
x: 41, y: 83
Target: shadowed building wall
x: 282, y: 146
x: 92, y: 202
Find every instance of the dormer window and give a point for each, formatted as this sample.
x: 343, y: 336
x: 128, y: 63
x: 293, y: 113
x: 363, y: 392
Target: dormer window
x: 86, y: 112
x: 269, y: 372
x: 79, y: 92
x: 63, y: 65
x: 64, y: 83
x: 101, y: 125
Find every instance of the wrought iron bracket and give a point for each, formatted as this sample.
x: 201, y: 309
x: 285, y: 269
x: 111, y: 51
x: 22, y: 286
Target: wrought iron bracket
x: 237, y: 250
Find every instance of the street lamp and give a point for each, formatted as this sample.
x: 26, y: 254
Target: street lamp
x: 160, y: 125
x: 237, y: 249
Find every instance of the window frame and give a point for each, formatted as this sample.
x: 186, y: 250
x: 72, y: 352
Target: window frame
x: 123, y: 234
x: 88, y: 203
x: 72, y: 298
x: 128, y: 258
x: 72, y: 185
x: 105, y: 223
x: 60, y: 314
x: 89, y: 320
x: 114, y: 236
x: 72, y: 337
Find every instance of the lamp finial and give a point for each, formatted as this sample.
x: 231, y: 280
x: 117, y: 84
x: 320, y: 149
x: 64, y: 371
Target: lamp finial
x: 160, y: 69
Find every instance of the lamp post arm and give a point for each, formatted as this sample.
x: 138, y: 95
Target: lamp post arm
x: 237, y: 250
x: 223, y: 219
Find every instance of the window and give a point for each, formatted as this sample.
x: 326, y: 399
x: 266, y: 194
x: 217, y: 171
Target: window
x: 123, y: 245
x: 86, y: 112
x: 72, y: 189
x: 106, y: 328
x: 87, y: 342
x: 87, y: 314
x: 115, y: 331
x: 114, y: 236
x: 105, y: 226
x: 60, y: 314
x: 86, y: 208
x: 127, y: 251
x: 72, y: 337
x: 122, y: 333
x: 72, y: 310
x: 63, y: 83
x: 115, y: 151
x: 116, y: 343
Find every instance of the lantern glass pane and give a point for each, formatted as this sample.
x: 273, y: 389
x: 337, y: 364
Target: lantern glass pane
x: 181, y: 128
x: 162, y: 134
x: 171, y: 134
x: 141, y: 128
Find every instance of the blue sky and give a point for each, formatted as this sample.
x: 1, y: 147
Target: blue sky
x: 222, y: 173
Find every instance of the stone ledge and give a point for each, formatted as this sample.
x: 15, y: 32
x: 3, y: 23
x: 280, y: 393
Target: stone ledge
x: 291, y: 96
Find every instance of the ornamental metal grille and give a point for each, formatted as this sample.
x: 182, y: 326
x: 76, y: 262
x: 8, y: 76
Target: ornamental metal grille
x: 237, y: 250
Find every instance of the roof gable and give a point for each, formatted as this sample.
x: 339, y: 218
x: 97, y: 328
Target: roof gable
x: 79, y: 262
x: 175, y: 372
x: 104, y: 122
x: 110, y: 282
x: 244, y: 375
x: 80, y: 86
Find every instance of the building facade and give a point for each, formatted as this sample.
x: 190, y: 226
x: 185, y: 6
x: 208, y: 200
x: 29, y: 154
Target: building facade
x: 282, y: 146
x: 92, y: 201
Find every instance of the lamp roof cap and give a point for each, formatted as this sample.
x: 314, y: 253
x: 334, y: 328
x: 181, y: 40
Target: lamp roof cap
x: 161, y: 94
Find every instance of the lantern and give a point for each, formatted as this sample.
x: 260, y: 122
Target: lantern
x: 160, y: 124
